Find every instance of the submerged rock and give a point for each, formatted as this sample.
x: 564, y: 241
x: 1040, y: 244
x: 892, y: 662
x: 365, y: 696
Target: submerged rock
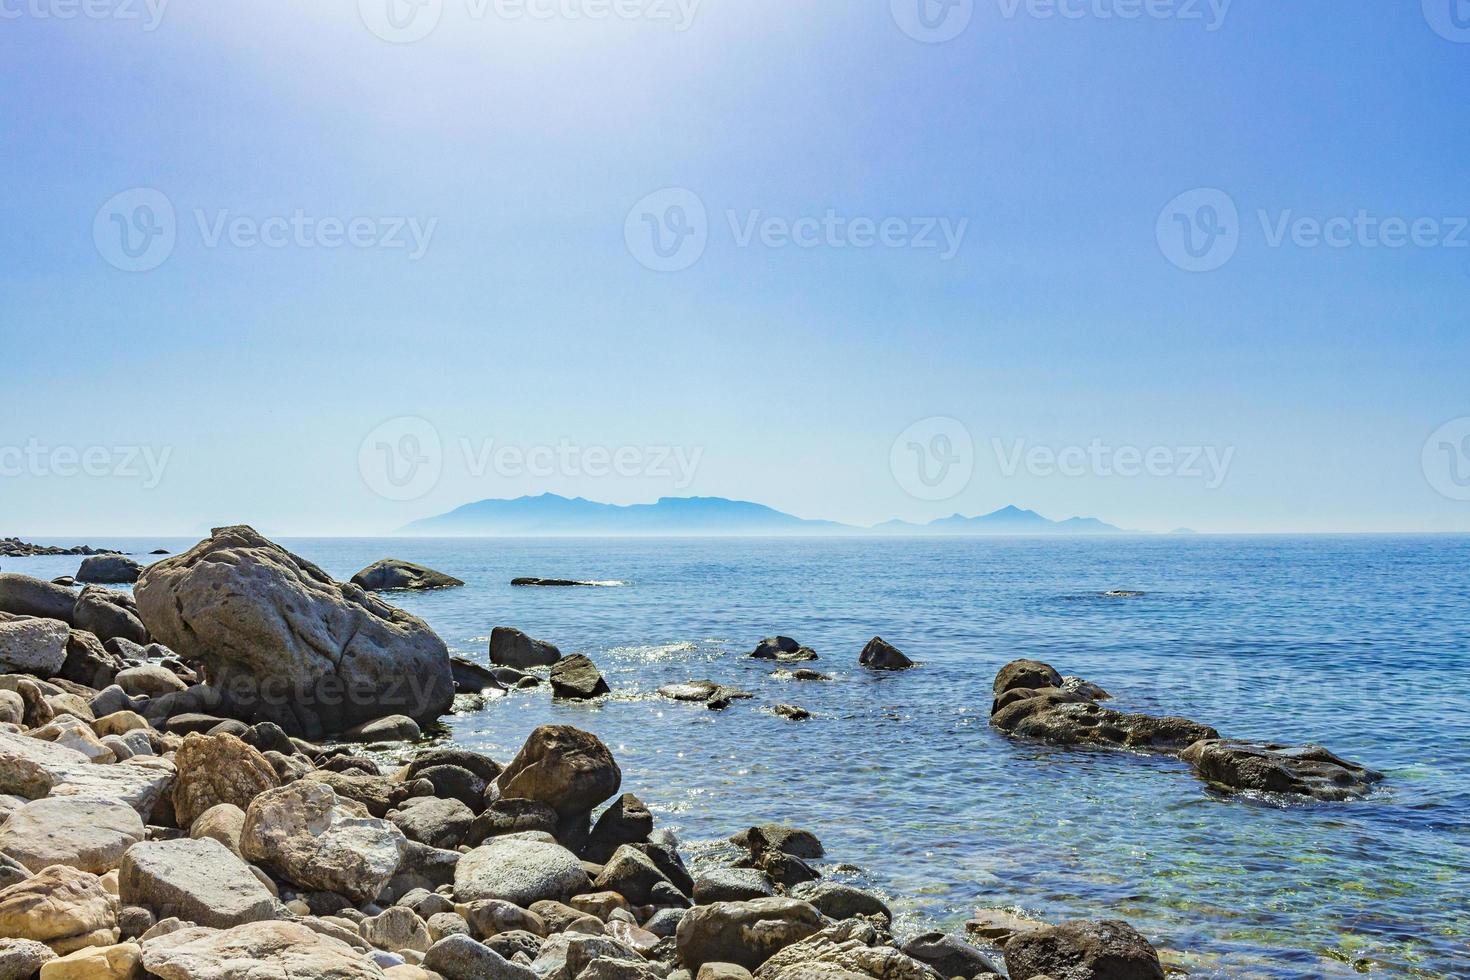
x: 564, y: 583
x: 784, y: 649
x: 1087, y: 723
x: 390, y: 574
x: 1083, y: 950
x: 879, y: 654
x: 1307, y: 770
x: 794, y: 712
x: 288, y: 643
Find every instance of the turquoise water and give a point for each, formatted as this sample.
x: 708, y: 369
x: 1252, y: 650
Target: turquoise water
x: 1361, y: 643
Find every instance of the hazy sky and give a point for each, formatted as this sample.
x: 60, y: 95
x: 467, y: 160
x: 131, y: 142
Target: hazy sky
x: 1164, y: 262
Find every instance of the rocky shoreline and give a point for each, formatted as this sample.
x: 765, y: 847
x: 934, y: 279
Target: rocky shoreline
x: 185, y: 794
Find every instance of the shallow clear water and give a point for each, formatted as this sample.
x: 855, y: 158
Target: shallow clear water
x: 1361, y: 643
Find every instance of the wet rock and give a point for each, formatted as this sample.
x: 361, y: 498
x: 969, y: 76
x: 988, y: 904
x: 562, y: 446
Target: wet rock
x: 199, y: 881
x: 1082, y: 950
x: 950, y: 955
x: 509, y: 647
x: 62, y: 907
x: 215, y: 769
x: 792, y: 712
x: 626, y: 821
x: 291, y: 645
x: 731, y: 885
x: 87, y: 834
x: 568, y: 769
x: 1026, y: 673
x: 787, y: 839
x: 783, y: 649
x: 390, y: 574
x: 838, y: 901
x: 109, y: 570
x: 260, y: 949
x: 519, y: 871
x: 301, y: 832
x: 665, y: 922
x: 577, y: 678
x: 879, y: 654
x: 564, y: 583
x: 462, y: 958
x: 433, y: 821
x: 471, y: 678
x: 744, y: 933
x: 665, y: 857
x: 1088, y: 723
x: 33, y: 646
x: 1307, y: 770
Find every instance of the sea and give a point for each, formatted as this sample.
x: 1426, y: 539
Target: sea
x: 1359, y: 643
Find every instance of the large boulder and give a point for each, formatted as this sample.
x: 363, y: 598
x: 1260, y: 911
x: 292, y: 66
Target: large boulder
x: 215, y: 769
x: 33, y: 646
x: 109, y: 570
x: 568, y: 769
x: 391, y: 575
x: 197, y: 881
x: 576, y: 678
x: 289, y: 644
x: 509, y: 647
x: 301, y: 832
x: 63, y: 907
x: 1082, y: 950
x: 1306, y: 770
x: 107, y: 615
x: 520, y: 871
x: 744, y: 933
x: 879, y: 654
x: 87, y: 834
x: 951, y: 955
x: 257, y: 950
x: 27, y: 596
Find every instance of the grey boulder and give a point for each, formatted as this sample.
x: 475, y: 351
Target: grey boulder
x: 390, y: 575
x: 519, y: 871
x: 509, y: 647
x: 196, y: 880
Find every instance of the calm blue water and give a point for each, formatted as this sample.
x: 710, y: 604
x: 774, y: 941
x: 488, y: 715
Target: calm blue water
x: 1362, y: 643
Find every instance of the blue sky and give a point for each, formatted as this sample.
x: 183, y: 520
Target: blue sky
x: 274, y: 383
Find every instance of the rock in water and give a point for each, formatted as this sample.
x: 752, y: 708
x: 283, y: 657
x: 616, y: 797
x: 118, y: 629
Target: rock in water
x: 288, y: 643
x: 391, y: 575
x: 568, y: 769
x: 1026, y: 673
x: 577, y: 678
x: 33, y: 646
x: 784, y: 649
x: 259, y: 949
x: 1307, y: 770
x: 509, y: 647
x: 879, y: 654
x: 1083, y: 950
x: 109, y: 570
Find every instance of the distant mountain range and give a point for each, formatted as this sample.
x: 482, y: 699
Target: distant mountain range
x: 550, y: 515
